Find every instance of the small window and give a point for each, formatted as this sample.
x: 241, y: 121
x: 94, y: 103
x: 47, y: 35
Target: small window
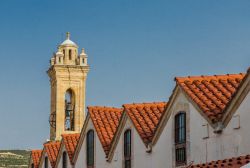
x: 90, y: 149
x: 205, y: 131
x: 70, y: 53
x: 180, y: 155
x: 180, y: 139
x: 180, y: 128
x: 127, y: 149
x: 46, y: 162
x: 32, y: 165
x: 63, y: 52
x: 236, y: 122
x: 64, y: 161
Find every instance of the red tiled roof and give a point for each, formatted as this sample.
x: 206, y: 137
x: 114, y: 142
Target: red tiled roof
x: 235, y: 162
x: 70, y: 142
x: 105, y: 120
x: 211, y: 93
x: 52, y: 149
x: 35, y: 156
x: 145, y: 117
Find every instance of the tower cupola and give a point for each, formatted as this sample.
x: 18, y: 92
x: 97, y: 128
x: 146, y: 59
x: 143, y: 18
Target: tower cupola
x: 68, y: 42
x: 67, y: 54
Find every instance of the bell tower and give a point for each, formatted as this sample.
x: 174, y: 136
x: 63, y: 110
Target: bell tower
x: 68, y: 72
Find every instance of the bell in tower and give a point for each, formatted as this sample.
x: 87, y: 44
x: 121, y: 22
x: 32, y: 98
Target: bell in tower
x: 68, y: 72
x: 69, y: 111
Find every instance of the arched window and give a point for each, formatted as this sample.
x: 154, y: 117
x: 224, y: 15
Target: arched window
x: 64, y: 160
x: 32, y: 165
x: 46, y: 162
x: 90, y: 149
x: 70, y: 54
x: 69, y: 110
x: 180, y: 138
x: 127, y: 149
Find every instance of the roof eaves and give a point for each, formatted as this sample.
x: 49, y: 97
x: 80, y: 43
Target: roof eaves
x: 165, y: 116
x: 59, y: 153
x: 234, y: 162
x: 147, y: 141
x: 81, y: 140
x: 42, y: 157
x: 237, y: 98
x: 54, y: 146
x: 213, y: 125
x: 69, y: 142
x: 35, y: 156
x: 96, y: 124
x: 144, y: 142
x: 117, y: 135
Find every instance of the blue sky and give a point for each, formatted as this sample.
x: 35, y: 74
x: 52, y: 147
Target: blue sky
x: 135, y: 50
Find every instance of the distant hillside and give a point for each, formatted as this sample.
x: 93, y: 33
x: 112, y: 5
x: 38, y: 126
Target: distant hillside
x: 14, y: 158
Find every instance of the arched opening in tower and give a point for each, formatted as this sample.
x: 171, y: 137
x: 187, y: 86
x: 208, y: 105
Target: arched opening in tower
x: 69, y: 110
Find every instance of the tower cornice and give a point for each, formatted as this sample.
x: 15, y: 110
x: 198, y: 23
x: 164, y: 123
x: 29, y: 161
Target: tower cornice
x: 58, y: 69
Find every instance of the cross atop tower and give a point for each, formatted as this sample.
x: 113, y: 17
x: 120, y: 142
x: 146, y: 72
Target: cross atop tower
x: 68, y: 35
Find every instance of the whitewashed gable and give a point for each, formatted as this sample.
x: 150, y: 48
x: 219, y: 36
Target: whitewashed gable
x: 100, y: 157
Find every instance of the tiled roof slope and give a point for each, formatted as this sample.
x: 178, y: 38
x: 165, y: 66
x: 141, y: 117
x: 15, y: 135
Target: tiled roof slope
x: 70, y: 142
x: 35, y: 156
x: 52, y: 149
x: 106, y: 121
x: 235, y: 162
x: 211, y: 93
x: 145, y: 117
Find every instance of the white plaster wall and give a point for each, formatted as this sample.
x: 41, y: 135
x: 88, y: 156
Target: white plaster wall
x: 163, y: 155
x: 162, y: 150
x: 240, y: 137
x: 198, y: 145
x: 140, y: 158
x: 80, y: 161
x: 246, y: 166
x: 217, y: 146
x: 231, y: 142
x: 60, y: 159
x: 100, y: 157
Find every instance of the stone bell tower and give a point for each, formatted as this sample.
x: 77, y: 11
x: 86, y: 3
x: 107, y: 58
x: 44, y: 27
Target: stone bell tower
x: 68, y: 72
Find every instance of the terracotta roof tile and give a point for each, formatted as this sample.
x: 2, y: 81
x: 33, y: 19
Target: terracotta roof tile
x: 105, y: 120
x: 70, y: 142
x: 211, y: 93
x: 235, y: 162
x: 52, y: 149
x: 145, y: 117
x: 35, y: 156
